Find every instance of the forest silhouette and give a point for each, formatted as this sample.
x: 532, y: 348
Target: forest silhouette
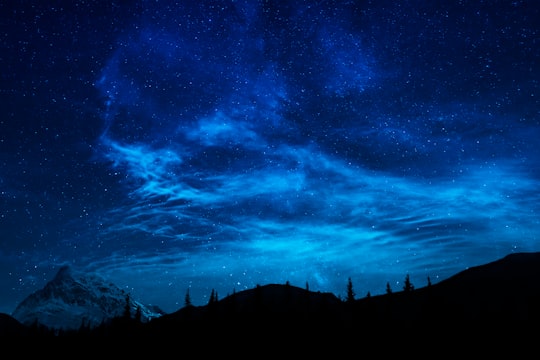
x: 495, y: 299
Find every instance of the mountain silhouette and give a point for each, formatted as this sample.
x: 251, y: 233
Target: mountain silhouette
x: 479, y: 305
x: 73, y: 299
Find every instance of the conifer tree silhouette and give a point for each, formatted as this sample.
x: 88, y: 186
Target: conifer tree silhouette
x: 187, y: 299
x: 213, y: 297
x: 350, y: 291
x: 127, y: 308
x: 408, y: 286
x: 388, y: 288
x: 138, y: 314
x: 211, y: 300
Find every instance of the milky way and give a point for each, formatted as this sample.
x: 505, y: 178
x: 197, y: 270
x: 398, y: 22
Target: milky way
x: 220, y: 145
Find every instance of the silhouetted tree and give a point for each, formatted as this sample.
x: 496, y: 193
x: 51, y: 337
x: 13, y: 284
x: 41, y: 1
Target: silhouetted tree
x: 138, y: 314
x: 127, y: 308
x: 428, y: 281
x: 350, y: 291
x: 388, y: 288
x: 288, y: 293
x: 85, y: 327
x: 368, y: 295
x: 213, y: 297
x: 408, y: 286
x: 307, y: 286
x: 211, y: 300
x: 187, y: 299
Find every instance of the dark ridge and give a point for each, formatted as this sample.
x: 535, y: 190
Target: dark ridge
x: 9, y: 326
x: 497, y: 300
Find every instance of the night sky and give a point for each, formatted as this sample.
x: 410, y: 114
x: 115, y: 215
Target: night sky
x: 204, y: 145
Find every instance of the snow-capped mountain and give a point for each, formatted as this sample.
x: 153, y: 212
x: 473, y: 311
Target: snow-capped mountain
x: 73, y: 299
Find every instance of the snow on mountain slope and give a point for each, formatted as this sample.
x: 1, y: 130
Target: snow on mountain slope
x: 73, y: 299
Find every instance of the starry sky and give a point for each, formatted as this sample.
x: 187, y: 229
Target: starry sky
x: 175, y: 145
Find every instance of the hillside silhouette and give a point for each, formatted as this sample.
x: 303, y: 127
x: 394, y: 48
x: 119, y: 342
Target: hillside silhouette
x: 497, y: 299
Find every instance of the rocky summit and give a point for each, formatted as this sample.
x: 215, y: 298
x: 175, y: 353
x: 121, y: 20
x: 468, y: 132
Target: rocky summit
x: 73, y: 299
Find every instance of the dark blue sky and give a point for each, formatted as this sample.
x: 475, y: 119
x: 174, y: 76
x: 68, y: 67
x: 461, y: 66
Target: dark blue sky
x: 220, y: 145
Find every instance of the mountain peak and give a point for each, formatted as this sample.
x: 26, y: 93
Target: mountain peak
x: 74, y: 298
x: 64, y: 272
